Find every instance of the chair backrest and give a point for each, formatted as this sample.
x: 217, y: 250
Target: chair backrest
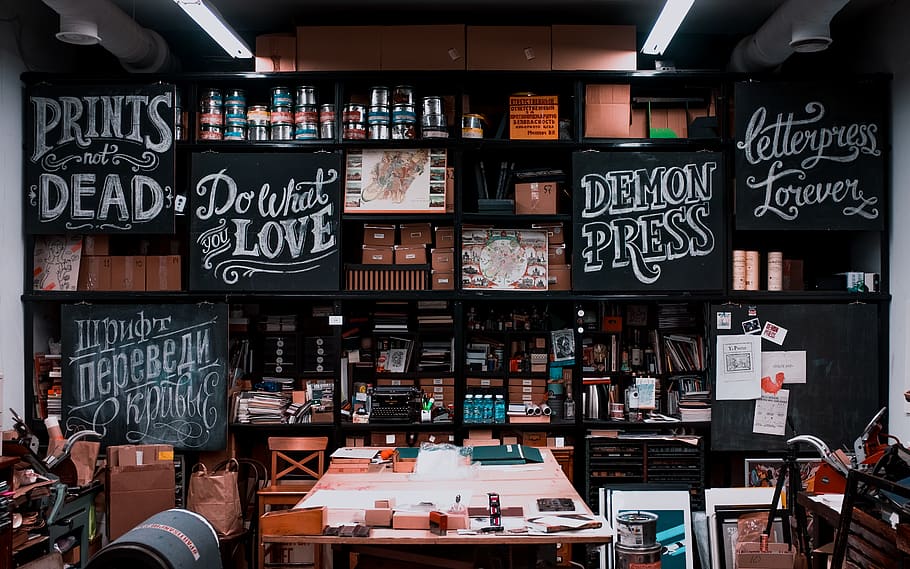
x: 297, y: 457
x: 251, y: 476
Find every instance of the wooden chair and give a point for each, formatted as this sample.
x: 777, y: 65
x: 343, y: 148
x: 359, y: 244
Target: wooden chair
x: 297, y: 464
x: 863, y: 539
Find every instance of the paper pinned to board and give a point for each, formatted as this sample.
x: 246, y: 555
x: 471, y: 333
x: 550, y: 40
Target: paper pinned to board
x: 791, y: 364
x: 771, y: 413
x: 738, y: 367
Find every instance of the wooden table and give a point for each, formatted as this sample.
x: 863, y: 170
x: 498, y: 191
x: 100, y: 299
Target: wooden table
x: 518, y: 485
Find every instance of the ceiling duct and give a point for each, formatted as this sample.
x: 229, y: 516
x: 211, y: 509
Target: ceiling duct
x: 88, y: 22
x: 796, y: 26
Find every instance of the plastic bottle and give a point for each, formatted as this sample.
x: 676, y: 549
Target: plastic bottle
x: 487, y: 408
x: 499, y: 409
x: 468, y: 410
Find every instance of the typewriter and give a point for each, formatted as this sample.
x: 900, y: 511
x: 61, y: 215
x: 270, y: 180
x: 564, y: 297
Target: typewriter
x: 396, y: 405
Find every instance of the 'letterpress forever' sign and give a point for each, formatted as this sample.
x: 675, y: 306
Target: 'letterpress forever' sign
x: 265, y: 221
x: 809, y: 156
x: 100, y: 159
x: 648, y: 221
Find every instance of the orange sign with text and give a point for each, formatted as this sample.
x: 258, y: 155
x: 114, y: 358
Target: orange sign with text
x: 533, y: 117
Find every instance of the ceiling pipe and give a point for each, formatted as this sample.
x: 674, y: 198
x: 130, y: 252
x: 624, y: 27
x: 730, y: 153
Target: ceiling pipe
x: 796, y: 26
x: 86, y: 22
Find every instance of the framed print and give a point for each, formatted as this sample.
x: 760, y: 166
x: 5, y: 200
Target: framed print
x: 726, y: 499
x: 763, y: 472
x: 674, y: 521
x: 401, y: 180
x: 504, y: 259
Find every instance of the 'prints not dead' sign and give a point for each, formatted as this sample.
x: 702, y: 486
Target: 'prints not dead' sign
x: 100, y: 159
x: 265, y: 221
x: 648, y: 221
x: 809, y: 156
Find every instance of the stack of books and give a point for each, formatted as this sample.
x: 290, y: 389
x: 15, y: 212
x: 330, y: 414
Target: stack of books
x: 436, y: 355
x: 280, y: 323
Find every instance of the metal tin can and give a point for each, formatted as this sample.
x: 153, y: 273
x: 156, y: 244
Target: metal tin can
x: 211, y: 116
x: 235, y: 97
x: 636, y: 529
x: 403, y: 95
x: 306, y: 130
x: 282, y: 132
x: 209, y: 132
x: 235, y: 115
x: 436, y: 121
x: 258, y: 132
x: 378, y: 114
x: 258, y: 115
x: 404, y: 131
x: 281, y: 115
x: 403, y: 114
x: 379, y: 96
x: 305, y: 95
x: 281, y: 97
x: 354, y: 131
x: 211, y: 96
x: 379, y: 132
x: 637, y: 557
x: 234, y: 133
x: 327, y: 113
x: 354, y: 113
x: 306, y: 114
x: 434, y: 132
x: 327, y: 130
x: 472, y: 126
x: 433, y: 106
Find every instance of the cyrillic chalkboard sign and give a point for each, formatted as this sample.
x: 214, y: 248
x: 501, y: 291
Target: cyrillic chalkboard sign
x: 810, y: 156
x: 841, y: 392
x: 147, y: 373
x: 100, y: 159
x: 648, y: 221
x: 265, y: 221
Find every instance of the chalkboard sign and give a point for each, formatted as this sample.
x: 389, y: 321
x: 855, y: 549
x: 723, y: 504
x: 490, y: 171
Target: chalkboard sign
x: 146, y: 374
x: 841, y: 390
x: 810, y: 156
x: 265, y: 222
x: 646, y: 221
x: 100, y: 159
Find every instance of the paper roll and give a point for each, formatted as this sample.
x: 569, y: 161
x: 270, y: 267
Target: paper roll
x: 753, y: 269
x: 775, y: 270
x: 529, y: 409
x: 545, y: 409
x: 739, y: 269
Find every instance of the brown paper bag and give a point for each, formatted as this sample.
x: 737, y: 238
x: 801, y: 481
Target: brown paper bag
x: 215, y: 496
x: 84, y: 455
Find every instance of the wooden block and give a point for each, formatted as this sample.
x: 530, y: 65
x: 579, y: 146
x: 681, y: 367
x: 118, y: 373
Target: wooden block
x: 299, y: 521
x: 410, y: 520
x: 377, y: 517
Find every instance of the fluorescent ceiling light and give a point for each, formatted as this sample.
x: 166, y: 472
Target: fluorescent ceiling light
x: 214, y: 25
x: 665, y: 27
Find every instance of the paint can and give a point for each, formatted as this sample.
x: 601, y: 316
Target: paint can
x: 173, y: 539
x: 402, y: 113
x: 282, y: 131
x: 235, y: 107
x: 305, y: 95
x: 637, y: 557
x: 433, y: 126
x: 404, y: 131
x: 211, y: 97
x: 433, y: 105
x: 354, y: 113
x: 636, y: 529
x: 327, y: 130
x: 379, y: 132
x: 306, y: 130
x: 235, y: 97
x: 281, y: 115
x: 281, y: 97
x: 378, y: 114
x: 354, y: 131
x: 327, y: 113
x: 258, y: 133
x: 306, y: 114
x: 209, y: 132
x: 232, y: 132
x: 379, y: 96
x: 403, y: 95
x: 472, y: 126
x: 210, y: 114
x: 257, y: 115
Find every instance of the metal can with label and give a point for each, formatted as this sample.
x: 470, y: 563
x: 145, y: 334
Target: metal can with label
x: 404, y: 131
x: 305, y: 95
x: 211, y: 96
x: 281, y: 97
x: 379, y: 96
x: 258, y: 115
x: 258, y: 133
x: 306, y: 130
x: 403, y: 114
x: 378, y: 114
x: 472, y: 126
x: 235, y: 115
x: 306, y: 114
x: 209, y: 132
x: 433, y: 106
x: 281, y: 115
x: 354, y: 113
x: 282, y: 131
x: 235, y: 97
x: 403, y: 95
x: 234, y: 133
x: 327, y: 113
x: 354, y: 131
x: 379, y: 132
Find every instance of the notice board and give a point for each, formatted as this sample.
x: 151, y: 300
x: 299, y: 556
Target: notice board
x: 841, y: 392
x: 648, y: 221
x: 810, y: 155
x: 262, y: 222
x: 100, y: 159
x: 147, y: 373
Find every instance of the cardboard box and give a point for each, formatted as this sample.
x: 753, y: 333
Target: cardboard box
x: 128, y: 273
x: 415, y: 234
x: 93, y: 245
x: 95, y: 273
x: 639, y: 126
x: 139, y: 483
x: 276, y: 52
x: 778, y: 556
x: 668, y: 123
x: 378, y: 255
x: 430, y: 381
x: 442, y: 260
x: 536, y: 198
x: 338, y: 48
x: 484, y: 382
x: 556, y: 254
x: 429, y: 48
x: 608, y: 111
x: 388, y: 440
x: 378, y: 234
x: 443, y: 280
x: 445, y: 237
x: 410, y: 255
x: 559, y: 277
x: 594, y: 48
x: 162, y: 272
x: 520, y: 48
x: 377, y: 517
x: 555, y: 232
x: 395, y: 382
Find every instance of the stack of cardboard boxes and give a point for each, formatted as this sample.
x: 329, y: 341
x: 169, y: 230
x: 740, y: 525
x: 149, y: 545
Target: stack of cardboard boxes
x: 139, y: 483
x: 380, y: 247
x: 99, y: 270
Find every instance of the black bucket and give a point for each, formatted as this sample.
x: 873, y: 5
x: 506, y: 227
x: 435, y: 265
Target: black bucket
x: 173, y: 539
